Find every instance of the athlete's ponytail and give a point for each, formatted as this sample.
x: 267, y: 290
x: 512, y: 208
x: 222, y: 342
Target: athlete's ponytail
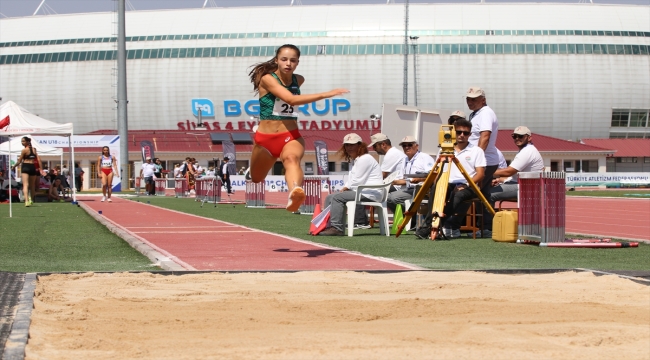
x: 28, y: 141
x: 267, y: 67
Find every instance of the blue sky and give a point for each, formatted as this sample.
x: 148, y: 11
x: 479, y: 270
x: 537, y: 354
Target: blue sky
x: 12, y: 8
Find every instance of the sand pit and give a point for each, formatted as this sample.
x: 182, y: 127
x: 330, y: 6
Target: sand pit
x: 339, y: 315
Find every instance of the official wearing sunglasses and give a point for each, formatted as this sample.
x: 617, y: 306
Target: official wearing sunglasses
x: 527, y: 159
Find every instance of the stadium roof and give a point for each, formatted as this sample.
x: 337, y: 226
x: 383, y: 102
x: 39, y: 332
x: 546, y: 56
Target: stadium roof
x: 623, y: 147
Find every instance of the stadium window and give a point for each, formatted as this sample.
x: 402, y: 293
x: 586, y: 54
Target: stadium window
x: 2, y: 59
x: 397, y: 49
x: 635, y: 49
x: 130, y: 54
x: 230, y: 51
x: 611, y: 49
x: 39, y: 43
x: 174, y: 53
x: 607, y: 33
x: 213, y: 52
x: 28, y: 58
x: 223, y: 51
x: 530, y: 48
x: 539, y: 48
x: 638, y: 118
x: 646, y: 160
x: 184, y: 37
x: 554, y: 49
x: 75, y: 56
x: 578, y: 32
x: 571, y: 48
x: 206, y: 52
x: 616, y: 33
x: 569, y: 32
x: 580, y: 48
x: 446, y: 32
x: 93, y: 56
x: 628, y: 49
x: 202, y: 36
x: 446, y: 48
x: 21, y: 58
x: 182, y: 53
x: 138, y: 54
x: 643, y: 49
x: 471, y: 32
x: 352, y: 50
x: 193, y: 52
x: 370, y: 49
x: 48, y: 57
x: 537, y: 32
x: 472, y: 48
x: 521, y: 48
x: 321, y: 50
x: 455, y: 49
x: 498, y: 32
x: 145, y: 53
x: 498, y: 48
x: 239, y: 51
x: 338, y: 49
x: 620, y: 50
x: 480, y: 49
x: 620, y: 118
x: 346, y: 49
x: 529, y: 32
x: 453, y: 32
x: 563, y: 49
x: 464, y: 48
x: 194, y: 37
x: 14, y: 59
x: 552, y: 32
x: 166, y: 53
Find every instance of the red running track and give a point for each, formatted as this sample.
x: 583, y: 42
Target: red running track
x: 615, y: 217
x: 206, y: 244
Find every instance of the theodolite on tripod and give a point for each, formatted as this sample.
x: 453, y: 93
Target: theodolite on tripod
x: 439, y: 176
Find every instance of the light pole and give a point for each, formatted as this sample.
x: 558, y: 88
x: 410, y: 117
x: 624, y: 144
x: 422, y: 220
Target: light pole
x: 414, y: 43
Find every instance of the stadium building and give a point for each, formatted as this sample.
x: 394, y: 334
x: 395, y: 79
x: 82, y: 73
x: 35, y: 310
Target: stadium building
x: 568, y: 71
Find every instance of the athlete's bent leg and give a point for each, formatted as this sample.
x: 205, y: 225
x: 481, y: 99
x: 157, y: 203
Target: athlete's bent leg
x: 261, y: 162
x: 291, y: 156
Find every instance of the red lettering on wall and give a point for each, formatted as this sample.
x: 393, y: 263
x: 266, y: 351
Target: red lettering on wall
x: 325, y: 125
x: 241, y: 125
x: 303, y: 124
x: 313, y: 125
x: 187, y: 125
x: 251, y: 124
x: 216, y: 125
x: 362, y: 125
x: 229, y: 126
x: 181, y: 125
x: 376, y: 125
x: 350, y: 126
x: 337, y: 124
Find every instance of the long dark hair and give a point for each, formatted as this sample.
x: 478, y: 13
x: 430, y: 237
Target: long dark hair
x: 363, y: 149
x: 267, y: 67
x: 28, y: 141
x: 109, y: 150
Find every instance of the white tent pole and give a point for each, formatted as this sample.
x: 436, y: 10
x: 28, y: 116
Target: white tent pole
x: 10, y: 201
x: 72, y: 168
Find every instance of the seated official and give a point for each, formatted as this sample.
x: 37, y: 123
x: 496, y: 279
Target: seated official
x: 393, y: 160
x: 527, y: 159
x: 417, y: 162
x: 55, y: 189
x: 472, y: 159
x: 364, y: 171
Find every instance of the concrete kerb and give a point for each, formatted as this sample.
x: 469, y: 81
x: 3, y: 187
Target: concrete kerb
x: 165, y: 261
x: 17, y: 341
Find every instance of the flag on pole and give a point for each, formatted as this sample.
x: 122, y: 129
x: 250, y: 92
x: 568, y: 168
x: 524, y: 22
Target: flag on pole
x: 398, y: 217
x: 5, y: 122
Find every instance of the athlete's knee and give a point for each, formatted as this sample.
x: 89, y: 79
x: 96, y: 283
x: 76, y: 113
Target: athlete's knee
x: 291, y: 160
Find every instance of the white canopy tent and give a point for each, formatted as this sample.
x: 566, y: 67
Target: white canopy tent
x: 16, y: 147
x: 22, y: 122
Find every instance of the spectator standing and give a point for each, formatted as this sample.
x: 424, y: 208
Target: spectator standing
x: 78, y: 177
x: 455, y: 116
x: 65, y: 172
x: 158, y: 168
x: 225, y: 175
x: 417, y: 163
x: 177, y: 170
x: 485, y: 128
x: 527, y: 159
x: 147, y: 172
x: 365, y: 170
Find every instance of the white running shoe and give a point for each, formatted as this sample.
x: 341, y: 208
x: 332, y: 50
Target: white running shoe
x: 103, y: 198
x: 109, y: 200
x: 296, y: 198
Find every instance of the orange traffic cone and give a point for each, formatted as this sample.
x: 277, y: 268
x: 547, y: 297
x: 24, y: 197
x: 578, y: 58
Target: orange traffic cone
x: 312, y: 227
x: 320, y: 221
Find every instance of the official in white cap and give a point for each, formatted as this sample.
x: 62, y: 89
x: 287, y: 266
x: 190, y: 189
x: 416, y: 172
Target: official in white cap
x: 485, y: 129
x: 417, y: 167
x: 393, y: 160
x: 527, y: 159
x: 455, y: 116
x: 364, y: 170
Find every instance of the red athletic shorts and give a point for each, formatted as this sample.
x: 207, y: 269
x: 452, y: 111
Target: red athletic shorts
x: 274, y: 143
x: 107, y: 171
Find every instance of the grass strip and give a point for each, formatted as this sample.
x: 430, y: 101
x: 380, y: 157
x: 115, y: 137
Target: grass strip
x: 458, y: 254
x: 53, y: 237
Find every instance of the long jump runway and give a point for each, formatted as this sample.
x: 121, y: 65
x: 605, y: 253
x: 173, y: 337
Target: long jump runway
x: 198, y: 243
x: 615, y: 217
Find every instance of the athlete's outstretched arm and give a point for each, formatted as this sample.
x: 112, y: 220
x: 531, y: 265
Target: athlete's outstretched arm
x: 274, y: 87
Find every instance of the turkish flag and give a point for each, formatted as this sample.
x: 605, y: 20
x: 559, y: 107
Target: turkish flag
x: 4, y: 122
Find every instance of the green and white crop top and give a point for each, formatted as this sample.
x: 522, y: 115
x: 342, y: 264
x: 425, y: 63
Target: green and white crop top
x: 273, y: 108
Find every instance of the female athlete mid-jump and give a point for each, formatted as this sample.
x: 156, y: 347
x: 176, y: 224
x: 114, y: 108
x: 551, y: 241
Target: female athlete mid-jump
x: 278, y: 135
x: 108, y: 167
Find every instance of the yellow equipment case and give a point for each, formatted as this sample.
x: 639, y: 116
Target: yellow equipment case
x: 504, y: 227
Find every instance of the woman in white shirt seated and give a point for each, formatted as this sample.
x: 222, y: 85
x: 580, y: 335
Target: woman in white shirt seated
x: 364, y: 170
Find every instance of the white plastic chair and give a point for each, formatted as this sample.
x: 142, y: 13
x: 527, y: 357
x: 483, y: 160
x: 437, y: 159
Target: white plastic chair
x: 382, y: 209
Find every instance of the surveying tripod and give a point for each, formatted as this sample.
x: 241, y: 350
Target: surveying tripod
x: 440, y: 177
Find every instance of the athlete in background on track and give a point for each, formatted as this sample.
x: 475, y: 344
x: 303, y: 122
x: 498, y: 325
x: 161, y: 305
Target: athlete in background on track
x: 278, y: 135
x: 107, y: 169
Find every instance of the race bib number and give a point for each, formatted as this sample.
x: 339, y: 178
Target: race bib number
x: 281, y: 108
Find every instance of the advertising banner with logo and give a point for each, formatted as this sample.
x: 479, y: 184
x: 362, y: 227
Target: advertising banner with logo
x: 231, y: 154
x: 147, y: 149
x: 322, y: 160
x: 98, y: 141
x: 278, y: 183
x: 608, y: 179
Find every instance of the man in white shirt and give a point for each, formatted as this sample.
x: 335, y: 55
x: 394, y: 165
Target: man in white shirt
x: 148, y: 172
x: 364, y: 171
x: 472, y: 159
x: 394, y: 159
x: 527, y: 159
x: 485, y: 127
x: 225, y: 176
x: 417, y: 162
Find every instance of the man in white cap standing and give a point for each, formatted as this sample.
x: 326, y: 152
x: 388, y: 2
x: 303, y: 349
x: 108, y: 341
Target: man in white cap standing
x: 485, y: 128
x: 148, y: 172
x: 527, y: 159
x: 393, y: 160
x: 417, y: 162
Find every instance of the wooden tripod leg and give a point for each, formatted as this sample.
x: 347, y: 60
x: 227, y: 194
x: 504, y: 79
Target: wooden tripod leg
x: 439, y: 200
x: 473, y: 186
x: 431, y: 179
